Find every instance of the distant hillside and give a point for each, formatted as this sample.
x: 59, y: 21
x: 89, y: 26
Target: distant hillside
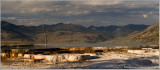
x: 71, y: 37
x: 149, y: 35
x: 120, y: 31
x: 110, y: 28
x: 128, y: 29
x: 71, y: 33
x: 57, y: 33
x: 11, y: 32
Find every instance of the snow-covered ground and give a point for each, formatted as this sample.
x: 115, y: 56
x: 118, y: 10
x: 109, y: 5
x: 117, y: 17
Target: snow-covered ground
x: 110, y: 60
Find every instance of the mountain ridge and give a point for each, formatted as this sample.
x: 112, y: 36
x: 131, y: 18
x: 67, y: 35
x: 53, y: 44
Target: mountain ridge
x: 67, y: 33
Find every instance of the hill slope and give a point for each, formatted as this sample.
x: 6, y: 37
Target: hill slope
x: 11, y: 32
x: 149, y: 35
x: 57, y: 33
x: 71, y: 33
x: 120, y: 31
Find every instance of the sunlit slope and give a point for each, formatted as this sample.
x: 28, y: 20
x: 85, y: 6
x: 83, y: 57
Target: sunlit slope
x: 149, y: 35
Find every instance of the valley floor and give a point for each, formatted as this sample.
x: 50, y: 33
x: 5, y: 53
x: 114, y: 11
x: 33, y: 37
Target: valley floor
x: 111, y: 60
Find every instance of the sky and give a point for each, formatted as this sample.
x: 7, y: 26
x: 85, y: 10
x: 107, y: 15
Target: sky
x: 86, y: 13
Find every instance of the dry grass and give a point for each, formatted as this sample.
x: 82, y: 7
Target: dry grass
x: 15, y: 42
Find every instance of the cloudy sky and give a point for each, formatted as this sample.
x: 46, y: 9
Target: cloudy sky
x: 86, y: 13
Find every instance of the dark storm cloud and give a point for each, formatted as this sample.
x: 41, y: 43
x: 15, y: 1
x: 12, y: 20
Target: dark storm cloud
x: 80, y: 12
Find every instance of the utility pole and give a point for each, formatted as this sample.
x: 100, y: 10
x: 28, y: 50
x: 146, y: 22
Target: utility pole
x: 45, y: 36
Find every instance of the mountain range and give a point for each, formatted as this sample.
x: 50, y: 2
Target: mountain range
x: 72, y: 33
